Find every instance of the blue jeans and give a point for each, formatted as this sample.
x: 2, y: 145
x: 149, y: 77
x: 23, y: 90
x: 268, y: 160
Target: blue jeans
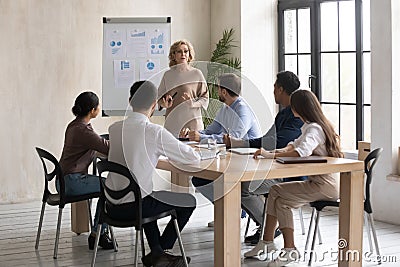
x: 79, y: 184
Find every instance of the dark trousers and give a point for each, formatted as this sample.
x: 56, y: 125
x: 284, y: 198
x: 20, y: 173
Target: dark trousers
x: 154, y: 204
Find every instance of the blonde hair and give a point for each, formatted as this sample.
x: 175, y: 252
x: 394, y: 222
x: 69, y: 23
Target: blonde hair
x: 175, y: 46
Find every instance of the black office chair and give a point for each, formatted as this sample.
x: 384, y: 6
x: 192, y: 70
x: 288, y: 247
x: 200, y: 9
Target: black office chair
x: 318, y: 206
x: 94, y: 171
x: 136, y: 219
x: 265, y: 219
x: 54, y: 199
x: 265, y: 213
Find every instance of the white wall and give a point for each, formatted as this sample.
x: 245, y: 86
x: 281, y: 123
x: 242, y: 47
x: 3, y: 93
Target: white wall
x: 259, y: 46
x: 256, y: 31
x: 50, y: 52
x: 385, y: 84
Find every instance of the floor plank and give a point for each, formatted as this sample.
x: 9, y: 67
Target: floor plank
x: 18, y: 225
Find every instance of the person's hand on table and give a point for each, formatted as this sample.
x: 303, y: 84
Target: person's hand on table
x: 194, y: 136
x: 227, y: 140
x: 265, y: 153
x: 184, y: 133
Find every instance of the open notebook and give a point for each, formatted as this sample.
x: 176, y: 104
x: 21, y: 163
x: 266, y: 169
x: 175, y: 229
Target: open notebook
x: 292, y: 160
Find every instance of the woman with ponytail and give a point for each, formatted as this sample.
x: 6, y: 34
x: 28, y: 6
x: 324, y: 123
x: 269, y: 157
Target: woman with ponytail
x: 318, y: 138
x: 80, y: 146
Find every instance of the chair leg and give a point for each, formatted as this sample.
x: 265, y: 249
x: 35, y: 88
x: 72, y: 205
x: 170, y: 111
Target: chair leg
x: 367, y: 225
x: 264, y: 221
x: 57, y: 233
x: 309, y: 229
x: 247, y: 227
x: 96, y: 244
x: 314, y: 237
x: 372, y: 224
x: 178, y: 233
x: 142, y: 242
x: 137, y: 248
x: 319, y: 236
x: 113, y: 238
x: 89, y: 203
x: 303, y: 232
x: 40, y: 225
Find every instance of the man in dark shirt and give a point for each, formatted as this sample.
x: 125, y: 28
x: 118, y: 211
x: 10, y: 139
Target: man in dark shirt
x: 286, y: 128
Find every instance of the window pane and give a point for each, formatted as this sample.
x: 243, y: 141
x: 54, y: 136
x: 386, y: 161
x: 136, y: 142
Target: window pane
x: 366, y: 25
x: 304, y: 70
x: 329, y: 78
x: 367, y: 123
x: 348, y: 127
x: 348, y: 78
x: 291, y: 63
x: 304, y: 31
x: 290, y: 31
x: 329, y: 27
x: 367, y: 78
x: 347, y: 27
x: 332, y: 113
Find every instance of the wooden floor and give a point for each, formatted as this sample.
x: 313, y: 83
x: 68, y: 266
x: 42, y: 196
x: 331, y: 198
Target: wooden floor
x: 18, y: 226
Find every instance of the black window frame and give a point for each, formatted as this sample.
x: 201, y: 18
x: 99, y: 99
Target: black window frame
x: 315, y: 76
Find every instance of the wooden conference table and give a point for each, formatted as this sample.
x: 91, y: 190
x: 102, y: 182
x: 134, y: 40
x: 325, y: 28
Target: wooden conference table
x: 230, y: 171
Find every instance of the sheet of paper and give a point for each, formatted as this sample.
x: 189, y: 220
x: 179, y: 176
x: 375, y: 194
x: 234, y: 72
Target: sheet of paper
x: 115, y: 43
x: 157, y: 43
x: 124, y: 73
x: 136, y: 43
x: 148, y: 68
x: 244, y: 150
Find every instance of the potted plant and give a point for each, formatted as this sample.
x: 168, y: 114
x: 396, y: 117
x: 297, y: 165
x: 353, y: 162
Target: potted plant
x: 221, y: 62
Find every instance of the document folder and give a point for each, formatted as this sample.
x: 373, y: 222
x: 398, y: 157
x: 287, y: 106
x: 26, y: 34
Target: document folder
x: 293, y: 160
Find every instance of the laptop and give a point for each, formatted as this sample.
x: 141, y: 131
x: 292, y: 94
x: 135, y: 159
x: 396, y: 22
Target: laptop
x: 310, y: 159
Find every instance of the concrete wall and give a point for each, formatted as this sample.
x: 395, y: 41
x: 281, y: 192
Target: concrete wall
x: 50, y: 52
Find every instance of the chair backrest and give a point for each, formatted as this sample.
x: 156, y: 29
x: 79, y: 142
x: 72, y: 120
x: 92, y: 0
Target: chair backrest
x: 49, y: 176
x: 112, y: 167
x: 95, y: 159
x: 369, y: 164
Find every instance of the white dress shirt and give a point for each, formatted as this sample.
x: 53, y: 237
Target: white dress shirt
x: 137, y: 143
x: 311, y: 141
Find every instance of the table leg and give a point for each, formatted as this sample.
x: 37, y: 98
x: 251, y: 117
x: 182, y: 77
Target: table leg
x: 351, y: 218
x: 180, y: 183
x: 227, y: 224
x: 79, y: 217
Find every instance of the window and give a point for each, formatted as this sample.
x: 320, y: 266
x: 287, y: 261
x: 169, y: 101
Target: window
x: 326, y: 42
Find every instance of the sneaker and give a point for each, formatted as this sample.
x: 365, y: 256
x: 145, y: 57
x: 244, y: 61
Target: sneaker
x: 262, y: 247
x: 285, y: 256
x: 210, y: 224
x: 252, y: 240
x: 148, y: 259
x: 105, y: 241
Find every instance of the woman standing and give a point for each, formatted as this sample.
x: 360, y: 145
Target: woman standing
x: 80, y: 146
x: 183, y: 90
x: 318, y: 138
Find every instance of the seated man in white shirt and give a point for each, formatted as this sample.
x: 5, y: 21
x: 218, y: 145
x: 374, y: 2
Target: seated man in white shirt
x: 137, y: 143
